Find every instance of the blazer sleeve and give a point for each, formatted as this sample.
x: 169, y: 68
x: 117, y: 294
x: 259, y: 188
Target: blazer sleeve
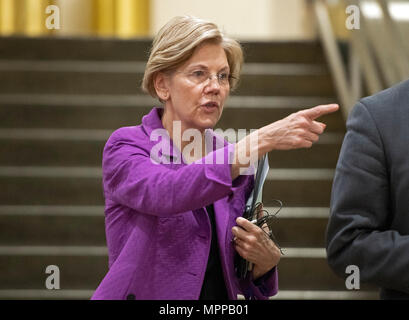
x: 358, y: 231
x: 266, y: 286
x: 262, y: 288
x: 132, y: 179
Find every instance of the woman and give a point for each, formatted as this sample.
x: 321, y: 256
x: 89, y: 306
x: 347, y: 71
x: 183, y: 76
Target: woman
x: 171, y: 215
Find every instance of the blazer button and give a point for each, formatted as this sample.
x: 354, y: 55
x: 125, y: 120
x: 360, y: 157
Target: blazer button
x: 130, y: 297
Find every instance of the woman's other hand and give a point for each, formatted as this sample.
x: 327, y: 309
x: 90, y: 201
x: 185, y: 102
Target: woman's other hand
x: 254, y: 245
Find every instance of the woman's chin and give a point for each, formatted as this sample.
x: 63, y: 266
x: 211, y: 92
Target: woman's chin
x: 210, y: 120
x: 206, y: 124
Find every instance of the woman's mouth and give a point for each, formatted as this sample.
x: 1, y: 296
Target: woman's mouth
x: 210, y: 106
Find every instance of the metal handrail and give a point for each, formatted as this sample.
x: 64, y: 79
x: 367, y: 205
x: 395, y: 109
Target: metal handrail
x: 331, y: 50
x: 378, y: 67
x: 395, y: 41
x: 361, y: 49
x: 332, y: 53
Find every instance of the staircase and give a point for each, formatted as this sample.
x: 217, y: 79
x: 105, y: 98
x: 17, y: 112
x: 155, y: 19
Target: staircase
x: 60, y: 99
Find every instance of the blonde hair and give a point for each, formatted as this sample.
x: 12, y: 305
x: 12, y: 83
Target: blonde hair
x: 175, y: 43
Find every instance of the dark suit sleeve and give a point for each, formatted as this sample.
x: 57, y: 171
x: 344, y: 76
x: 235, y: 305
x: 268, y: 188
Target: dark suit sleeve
x: 358, y: 231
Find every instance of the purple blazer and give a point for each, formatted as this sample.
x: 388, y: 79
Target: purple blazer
x: 157, y: 229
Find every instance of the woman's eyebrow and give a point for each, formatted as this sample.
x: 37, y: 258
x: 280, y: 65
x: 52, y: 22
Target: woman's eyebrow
x: 202, y: 66
x: 225, y: 68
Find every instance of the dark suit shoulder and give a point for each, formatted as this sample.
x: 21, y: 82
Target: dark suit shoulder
x: 394, y: 99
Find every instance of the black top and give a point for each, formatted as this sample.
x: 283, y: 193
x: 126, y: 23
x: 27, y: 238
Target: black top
x: 213, y: 284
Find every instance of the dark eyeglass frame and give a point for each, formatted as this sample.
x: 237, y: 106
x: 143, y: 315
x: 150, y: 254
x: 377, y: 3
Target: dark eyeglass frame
x: 207, y: 77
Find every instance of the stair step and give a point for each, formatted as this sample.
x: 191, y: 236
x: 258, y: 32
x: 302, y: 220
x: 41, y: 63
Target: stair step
x: 113, y: 111
x: 81, y: 147
x: 98, y: 135
x: 53, y: 48
x: 80, y: 267
x: 139, y: 67
x: 307, y: 269
x: 20, y: 152
x: 67, y: 82
x: 55, y: 230
x: 299, y: 190
x: 326, y: 295
x: 55, y: 251
x: 284, y: 51
x: 22, y: 294
x: 295, y: 85
x: 83, y: 186
x: 133, y: 100
x: 61, y: 294
x: 83, y: 267
x: 92, y: 211
x: 84, y: 225
x: 299, y: 232
x: 125, y: 50
x: 51, y: 191
x: 58, y: 211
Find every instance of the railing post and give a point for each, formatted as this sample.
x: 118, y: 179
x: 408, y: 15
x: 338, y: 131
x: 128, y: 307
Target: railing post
x: 398, y: 51
x: 359, y: 41
x: 355, y: 75
x: 333, y: 55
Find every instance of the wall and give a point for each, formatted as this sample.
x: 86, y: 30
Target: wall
x: 244, y: 19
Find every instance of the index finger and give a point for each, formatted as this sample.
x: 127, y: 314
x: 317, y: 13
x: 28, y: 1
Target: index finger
x: 318, y: 111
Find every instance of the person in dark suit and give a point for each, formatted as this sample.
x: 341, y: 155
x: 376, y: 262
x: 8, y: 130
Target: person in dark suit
x: 369, y: 219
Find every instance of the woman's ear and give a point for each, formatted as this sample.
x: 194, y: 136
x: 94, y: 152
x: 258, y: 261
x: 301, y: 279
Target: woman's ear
x: 161, y: 83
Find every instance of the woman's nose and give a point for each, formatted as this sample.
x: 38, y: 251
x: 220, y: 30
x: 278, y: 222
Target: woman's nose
x: 212, y: 84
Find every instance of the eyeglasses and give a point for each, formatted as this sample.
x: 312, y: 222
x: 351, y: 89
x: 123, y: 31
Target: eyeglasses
x: 201, y: 77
